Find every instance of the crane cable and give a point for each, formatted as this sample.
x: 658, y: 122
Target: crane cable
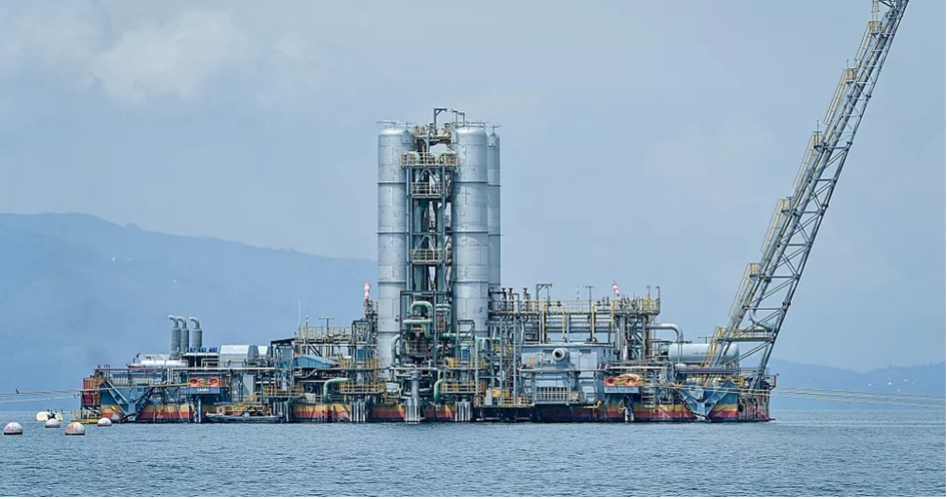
x: 933, y: 402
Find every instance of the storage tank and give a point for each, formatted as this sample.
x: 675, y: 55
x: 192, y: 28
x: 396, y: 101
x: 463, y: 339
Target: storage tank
x: 470, y: 241
x: 694, y: 353
x: 392, y: 235
x: 493, y: 207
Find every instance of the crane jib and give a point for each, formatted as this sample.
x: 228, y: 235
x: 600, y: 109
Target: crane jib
x: 767, y: 288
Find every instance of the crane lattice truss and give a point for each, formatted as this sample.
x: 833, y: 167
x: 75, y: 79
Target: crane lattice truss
x: 767, y: 288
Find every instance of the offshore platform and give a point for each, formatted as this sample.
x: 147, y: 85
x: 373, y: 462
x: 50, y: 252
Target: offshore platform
x: 445, y: 341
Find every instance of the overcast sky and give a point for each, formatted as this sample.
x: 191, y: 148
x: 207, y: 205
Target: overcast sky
x: 643, y: 142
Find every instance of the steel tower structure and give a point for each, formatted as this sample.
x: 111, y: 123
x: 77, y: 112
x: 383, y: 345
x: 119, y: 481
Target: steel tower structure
x: 767, y: 288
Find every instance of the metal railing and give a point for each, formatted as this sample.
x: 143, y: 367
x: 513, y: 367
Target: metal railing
x: 427, y: 189
x: 307, y: 332
x: 369, y: 364
x: 275, y: 392
x: 364, y: 387
x: 427, y: 255
x: 556, y: 394
x: 413, y: 158
x: 562, y: 307
x: 463, y: 387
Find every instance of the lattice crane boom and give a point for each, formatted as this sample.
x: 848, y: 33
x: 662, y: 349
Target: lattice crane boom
x: 768, y: 286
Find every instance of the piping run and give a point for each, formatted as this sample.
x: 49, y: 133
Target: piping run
x: 667, y: 326
x: 329, y: 383
x: 437, y: 390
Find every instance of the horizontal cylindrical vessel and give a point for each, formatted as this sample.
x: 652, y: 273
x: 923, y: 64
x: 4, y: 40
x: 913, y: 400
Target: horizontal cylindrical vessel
x: 695, y: 353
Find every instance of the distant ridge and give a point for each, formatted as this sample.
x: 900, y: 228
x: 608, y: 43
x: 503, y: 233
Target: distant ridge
x: 77, y: 291
x: 927, y: 379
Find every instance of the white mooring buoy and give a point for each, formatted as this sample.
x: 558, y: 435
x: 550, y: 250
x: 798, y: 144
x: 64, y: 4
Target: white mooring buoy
x: 52, y: 423
x: 104, y: 422
x: 75, y: 429
x: 13, y: 429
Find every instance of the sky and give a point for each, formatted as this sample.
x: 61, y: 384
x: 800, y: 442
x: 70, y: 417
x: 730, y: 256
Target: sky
x: 643, y: 142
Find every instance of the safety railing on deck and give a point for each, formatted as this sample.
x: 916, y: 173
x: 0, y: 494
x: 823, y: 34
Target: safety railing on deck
x: 364, y: 387
x: 504, y: 398
x: 307, y: 332
x: 366, y: 364
x: 462, y: 387
x: 275, y: 392
x: 556, y: 394
x: 414, y: 158
x: 560, y: 307
x: 427, y: 255
x: 428, y: 190
x: 453, y: 363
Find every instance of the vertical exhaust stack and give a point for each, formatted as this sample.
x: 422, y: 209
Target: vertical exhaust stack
x: 175, y: 338
x: 185, y: 335
x: 470, y: 241
x: 392, y: 235
x: 197, y: 341
x: 493, y: 207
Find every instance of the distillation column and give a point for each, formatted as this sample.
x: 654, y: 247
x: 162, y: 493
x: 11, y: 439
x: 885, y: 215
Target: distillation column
x: 470, y: 241
x: 493, y: 207
x: 392, y: 237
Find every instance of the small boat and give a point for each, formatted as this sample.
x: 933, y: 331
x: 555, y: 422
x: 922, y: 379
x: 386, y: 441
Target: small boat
x: 43, y: 416
x: 242, y: 418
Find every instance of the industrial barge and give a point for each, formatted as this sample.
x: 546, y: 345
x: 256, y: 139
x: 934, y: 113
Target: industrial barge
x: 445, y: 341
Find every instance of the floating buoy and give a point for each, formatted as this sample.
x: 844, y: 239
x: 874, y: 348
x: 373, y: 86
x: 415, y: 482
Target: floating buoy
x: 75, y: 428
x: 52, y: 423
x: 13, y: 429
x: 104, y: 422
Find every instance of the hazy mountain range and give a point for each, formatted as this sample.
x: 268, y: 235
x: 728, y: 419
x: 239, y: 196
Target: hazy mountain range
x: 77, y: 291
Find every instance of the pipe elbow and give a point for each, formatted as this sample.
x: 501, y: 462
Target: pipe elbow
x: 197, y: 324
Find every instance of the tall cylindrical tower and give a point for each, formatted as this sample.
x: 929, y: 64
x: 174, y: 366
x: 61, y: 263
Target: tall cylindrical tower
x: 493, y: 207
x: 392, y: 235
x: 175, y: 338
x: 469, y: 228
x: 185, y: 336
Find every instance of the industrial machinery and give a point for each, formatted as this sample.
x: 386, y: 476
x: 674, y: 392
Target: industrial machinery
x: 447, y: 342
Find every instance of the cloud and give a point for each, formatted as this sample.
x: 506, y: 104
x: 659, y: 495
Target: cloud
x: 175, y: 58
x: 64, y: 37
x: 182, y: 54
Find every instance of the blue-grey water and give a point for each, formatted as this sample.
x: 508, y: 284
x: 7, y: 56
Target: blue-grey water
x: 803, y: 453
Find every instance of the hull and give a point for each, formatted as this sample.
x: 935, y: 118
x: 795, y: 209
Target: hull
x: 219, y: 418
x: 164, y: 413
x: 320, y: 413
